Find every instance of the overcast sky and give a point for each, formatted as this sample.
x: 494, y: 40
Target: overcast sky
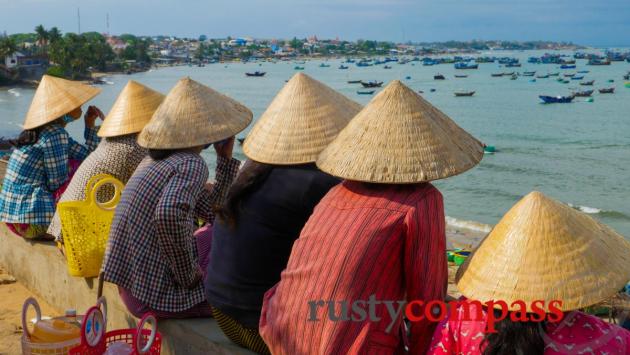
x: 590, y: 22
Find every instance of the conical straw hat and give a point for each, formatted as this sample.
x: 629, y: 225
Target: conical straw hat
x: 54, y: 98
x: 299, y: 123
x: 545, y: 250
x: 132, y: 110
x: 400, y: 138
x: 192, y: 115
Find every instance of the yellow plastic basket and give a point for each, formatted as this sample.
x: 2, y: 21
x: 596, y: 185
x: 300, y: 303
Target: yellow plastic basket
x: 85, y: 226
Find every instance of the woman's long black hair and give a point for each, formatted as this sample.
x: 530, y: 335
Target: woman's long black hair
x: 30, y: 136
x: 251, y: 176
x: 514, y: 338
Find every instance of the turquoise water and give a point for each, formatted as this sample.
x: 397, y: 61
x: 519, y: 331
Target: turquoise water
x: 578, y: 153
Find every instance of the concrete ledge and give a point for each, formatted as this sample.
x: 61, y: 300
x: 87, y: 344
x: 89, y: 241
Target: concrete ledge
x: 42, y: 269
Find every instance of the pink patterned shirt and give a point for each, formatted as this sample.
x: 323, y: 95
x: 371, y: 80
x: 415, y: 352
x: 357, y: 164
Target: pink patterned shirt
x: 577, y: 333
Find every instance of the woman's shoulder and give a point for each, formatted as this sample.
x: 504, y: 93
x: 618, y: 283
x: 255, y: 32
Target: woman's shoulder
x: 51, y: 132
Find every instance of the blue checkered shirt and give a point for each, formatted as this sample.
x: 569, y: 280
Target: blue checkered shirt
x: 151, y: 249
x: 36, y: 171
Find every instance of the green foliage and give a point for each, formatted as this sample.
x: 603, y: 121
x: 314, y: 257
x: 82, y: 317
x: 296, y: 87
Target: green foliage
x: 56, y: 71
x: 75, y: 54
x: 21, y: 38
x: 8, y: 46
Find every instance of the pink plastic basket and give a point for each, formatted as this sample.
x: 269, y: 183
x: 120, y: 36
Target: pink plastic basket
x: 95, y: 340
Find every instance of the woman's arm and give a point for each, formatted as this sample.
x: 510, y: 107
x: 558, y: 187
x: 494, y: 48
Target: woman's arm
x: 226, y: 171
x: 55, y: 152
x: 79, y: 151
x: 174, y: 216
x: 426, y: 271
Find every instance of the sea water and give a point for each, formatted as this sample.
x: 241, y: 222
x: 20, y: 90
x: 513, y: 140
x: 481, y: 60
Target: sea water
x: 578, y: 153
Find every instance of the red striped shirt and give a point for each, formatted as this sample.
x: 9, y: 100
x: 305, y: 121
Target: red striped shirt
x: 360, y: 241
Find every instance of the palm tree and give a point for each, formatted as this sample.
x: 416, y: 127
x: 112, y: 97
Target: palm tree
x: 42, y: 36
x: 54, y: 35
x: 7, y: 47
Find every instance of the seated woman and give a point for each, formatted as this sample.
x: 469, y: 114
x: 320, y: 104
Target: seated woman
x: 546, y: 261
x: 45, y: 156
x: 377, y: 236
x: 270, y: 201
x: 152, y: 254
x: 118, y: 154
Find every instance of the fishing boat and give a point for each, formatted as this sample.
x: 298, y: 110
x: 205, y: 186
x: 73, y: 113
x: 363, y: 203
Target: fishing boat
x: 464, y: 93
x: 256, y: 73
x: 583, y: 71
x: 556, y: 99
x: 387, y: 67
x: 577, y: 77
x: 513, y: 65
x: 568, y: 75
x: 596, y: 61
x: 529, y: 73
x: 297, y: 67
x: 587, y: 83
x: 554, y: 74
x: 567, y: 66
x: 342, y: 67
x: 542, y: 76
x: 439, y: 77
x: 324, y: 65
x: 496, y: 75
x: 585, y: 93
x: 371, y: 84
x: 466, y: 65
x: 354, y: 81
x: 365, y: 92
x: 607, y: 91
x: 461, y: 75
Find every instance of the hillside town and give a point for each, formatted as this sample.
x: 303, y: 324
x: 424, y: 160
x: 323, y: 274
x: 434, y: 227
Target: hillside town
x: 27, y: 56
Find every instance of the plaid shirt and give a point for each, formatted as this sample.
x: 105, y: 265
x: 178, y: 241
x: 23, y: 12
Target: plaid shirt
x: 36, y: 171
x: 151, y: 249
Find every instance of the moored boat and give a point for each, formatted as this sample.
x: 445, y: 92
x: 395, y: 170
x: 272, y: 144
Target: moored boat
x: 466, y: 65
x: 297, y: 67
x: 439, y: 77
x: 585, y: 93
x: 371, y: 84
x: 607, y: 90
x: 464, y: 93
x: 577, y: 77
x: 542, y: 76
x: 496, y: 75
x: 342, y: 67
x: 324, y: 65
x: 567, y: 66
x: 256, y: 73
x: 529, y: 73
x: 556, y: 99
x: 568, y: 75
x: 587, y: 83
x: 365, y: 92
x: 461, y: 75
x: 354, y: 81
x: 554, y: 74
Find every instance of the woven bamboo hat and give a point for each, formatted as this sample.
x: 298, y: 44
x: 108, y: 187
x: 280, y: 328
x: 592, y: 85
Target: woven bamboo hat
x: 54, y: 98
x: 132, y: 110
x: 400, y: 138
x: 192, y: 115
x: 300, y: 122
x: 545, y: 250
